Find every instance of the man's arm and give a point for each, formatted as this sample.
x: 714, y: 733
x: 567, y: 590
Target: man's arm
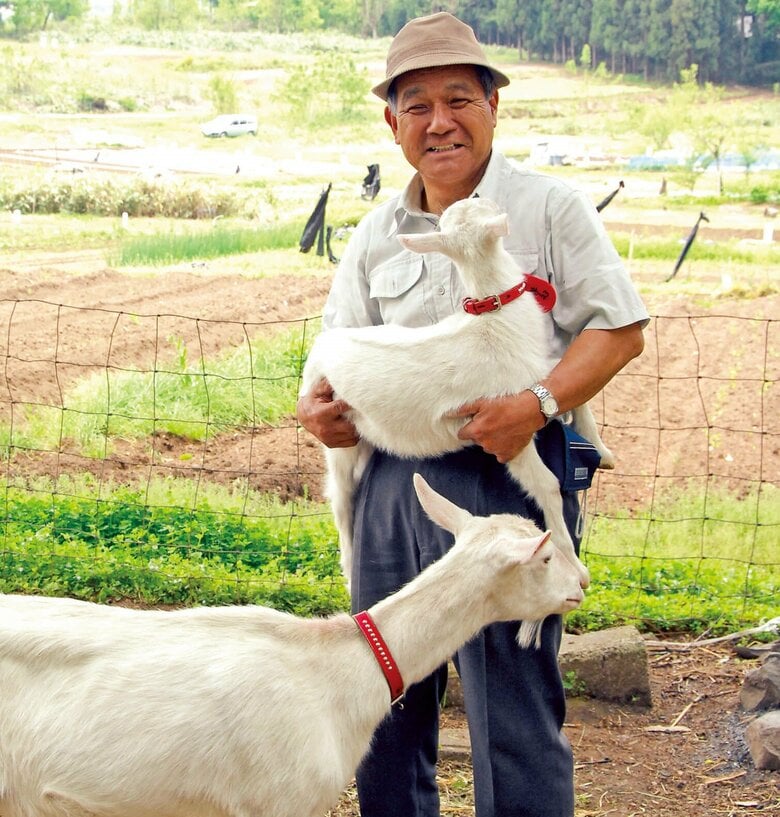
x: 504, y: 426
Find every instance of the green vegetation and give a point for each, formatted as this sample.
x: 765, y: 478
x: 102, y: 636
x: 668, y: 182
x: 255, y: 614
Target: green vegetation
x: 695, y: 561
x: 682, y: 565
x: 330, y: 90
x: 150, y: 545
x: 112, y: 195
x: 653, y: 39
x: 178, y: 542
x: 256, y: 383
x: 219, y: 241
x: 648, y: 247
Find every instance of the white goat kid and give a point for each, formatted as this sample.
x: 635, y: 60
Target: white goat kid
x: 241, y: 711
x: 403, y: 382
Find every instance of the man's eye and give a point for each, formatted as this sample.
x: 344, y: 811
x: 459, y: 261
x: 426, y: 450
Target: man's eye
x: 416, y: 109
x: 459, y: 103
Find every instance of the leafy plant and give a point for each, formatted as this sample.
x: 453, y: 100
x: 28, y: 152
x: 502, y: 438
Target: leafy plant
x: 75, y: 539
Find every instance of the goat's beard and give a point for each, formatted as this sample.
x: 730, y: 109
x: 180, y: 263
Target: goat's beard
x: 530, y: 631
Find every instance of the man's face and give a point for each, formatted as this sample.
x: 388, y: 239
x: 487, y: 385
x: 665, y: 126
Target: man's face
x: 444, y: 124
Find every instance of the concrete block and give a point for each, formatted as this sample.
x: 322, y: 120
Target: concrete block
x: 608, y: 664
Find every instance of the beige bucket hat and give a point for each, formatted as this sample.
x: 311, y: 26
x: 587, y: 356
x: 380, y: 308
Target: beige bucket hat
x: 432, y: 41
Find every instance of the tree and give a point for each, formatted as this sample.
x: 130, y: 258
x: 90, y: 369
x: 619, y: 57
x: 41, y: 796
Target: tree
x: 329, y: 90
x: 160, y: 14
x: 222, y: 93
x: 289, y: 15
x: 518, y: 22
x: 34, y: 15
x: 604, y: 31
x: 768, y: 9
x: 658, y: 37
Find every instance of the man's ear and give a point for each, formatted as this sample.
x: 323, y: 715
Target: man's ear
x: 493, y: 102
x: 392, y: 121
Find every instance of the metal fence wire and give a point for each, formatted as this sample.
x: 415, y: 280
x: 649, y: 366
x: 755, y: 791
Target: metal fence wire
x: 156, y: 457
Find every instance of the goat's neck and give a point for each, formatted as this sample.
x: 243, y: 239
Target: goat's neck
x: 429, y: 619
x: 488, y: 273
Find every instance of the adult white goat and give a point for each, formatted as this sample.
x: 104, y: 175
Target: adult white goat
x: 402, y: 383
x: 242, y: 711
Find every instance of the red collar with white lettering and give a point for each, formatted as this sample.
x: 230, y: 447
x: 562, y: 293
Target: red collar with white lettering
x: 382, y: 654
x: 543, y: 291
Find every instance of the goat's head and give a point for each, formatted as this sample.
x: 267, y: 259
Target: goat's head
x: 469, y: 230
x: 532, y: 578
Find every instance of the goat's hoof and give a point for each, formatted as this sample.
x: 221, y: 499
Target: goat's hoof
x: 608, y: 460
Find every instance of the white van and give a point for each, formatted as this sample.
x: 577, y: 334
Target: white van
x: 230, y: 124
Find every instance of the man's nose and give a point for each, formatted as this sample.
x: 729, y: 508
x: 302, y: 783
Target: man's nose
x: 441, y: 118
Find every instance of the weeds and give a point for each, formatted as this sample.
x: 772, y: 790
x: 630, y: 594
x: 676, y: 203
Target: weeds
x: 254, y: 384
x: 215, y: 242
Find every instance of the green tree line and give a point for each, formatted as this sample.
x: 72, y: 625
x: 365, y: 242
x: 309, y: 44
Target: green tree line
x: 729, y: 40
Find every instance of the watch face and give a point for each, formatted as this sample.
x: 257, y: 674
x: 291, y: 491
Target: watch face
x: 549, y: 406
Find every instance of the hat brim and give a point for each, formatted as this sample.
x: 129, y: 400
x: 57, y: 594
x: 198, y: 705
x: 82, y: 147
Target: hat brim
x: 382, y: 89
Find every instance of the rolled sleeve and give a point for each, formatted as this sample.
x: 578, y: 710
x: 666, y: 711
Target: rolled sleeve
x: 594, y: 288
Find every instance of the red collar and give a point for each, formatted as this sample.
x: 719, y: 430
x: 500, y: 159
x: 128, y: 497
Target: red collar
x: 382, y: 654
x: 543, y: 291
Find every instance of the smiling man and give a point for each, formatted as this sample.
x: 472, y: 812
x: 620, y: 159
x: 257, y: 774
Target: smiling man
x: 441, y: 104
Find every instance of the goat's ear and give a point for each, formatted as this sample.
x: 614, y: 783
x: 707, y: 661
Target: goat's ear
x: 535, y: 546
x: 444, y: 513
x: 420, y: 243
x: 499, y: 225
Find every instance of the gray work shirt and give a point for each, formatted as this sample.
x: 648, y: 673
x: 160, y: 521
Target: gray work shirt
x: 554, y: 233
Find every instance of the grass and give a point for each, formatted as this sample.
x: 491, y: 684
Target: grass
x: 180, y: 541
x: 730, y: 252
x: 253, y: 384
x: 218, y: 241
x: 695, y: 561
x: 165, y: 541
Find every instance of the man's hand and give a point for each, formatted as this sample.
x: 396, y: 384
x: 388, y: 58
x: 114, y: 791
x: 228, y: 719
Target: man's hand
x: 323, y: 417
x: 502, y: 426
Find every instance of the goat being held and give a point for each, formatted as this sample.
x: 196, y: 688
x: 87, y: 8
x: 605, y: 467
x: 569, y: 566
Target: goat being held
x: 237, y: 711
x: 404, y: 383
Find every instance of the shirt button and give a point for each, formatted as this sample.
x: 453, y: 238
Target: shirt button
x: 442, y: 290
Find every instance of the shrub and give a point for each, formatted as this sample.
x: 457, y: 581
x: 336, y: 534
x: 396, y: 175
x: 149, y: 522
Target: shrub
x: 111, y: 196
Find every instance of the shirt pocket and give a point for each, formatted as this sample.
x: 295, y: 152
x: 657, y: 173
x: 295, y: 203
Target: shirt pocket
x: 529, y: 261
x: 392, y: 286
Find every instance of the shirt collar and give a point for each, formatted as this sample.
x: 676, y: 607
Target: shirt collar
x: 408, y: 207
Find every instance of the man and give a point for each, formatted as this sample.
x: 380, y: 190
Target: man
x: 442, y: 102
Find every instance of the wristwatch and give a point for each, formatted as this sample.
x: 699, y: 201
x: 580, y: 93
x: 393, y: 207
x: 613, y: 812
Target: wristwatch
x: 548, y: 405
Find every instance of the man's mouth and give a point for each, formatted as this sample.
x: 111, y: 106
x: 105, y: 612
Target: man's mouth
x: 442, y: 148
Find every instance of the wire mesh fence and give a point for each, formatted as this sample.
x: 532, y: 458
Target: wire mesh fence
x: 156, y: 458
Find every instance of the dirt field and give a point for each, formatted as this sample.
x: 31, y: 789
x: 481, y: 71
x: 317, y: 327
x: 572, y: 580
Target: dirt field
x: 683, y: 757
x: 61, y: 317
x: 57, y: 328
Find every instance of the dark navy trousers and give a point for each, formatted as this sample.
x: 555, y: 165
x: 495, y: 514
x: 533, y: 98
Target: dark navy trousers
x: 514, y: 697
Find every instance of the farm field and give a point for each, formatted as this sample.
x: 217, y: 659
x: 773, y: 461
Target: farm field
x: 67, y: 309
x: 621, y: 769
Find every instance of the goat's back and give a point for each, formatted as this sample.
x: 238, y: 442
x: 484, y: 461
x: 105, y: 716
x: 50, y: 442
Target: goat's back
x: 402, y: 382
x: 194, y: 712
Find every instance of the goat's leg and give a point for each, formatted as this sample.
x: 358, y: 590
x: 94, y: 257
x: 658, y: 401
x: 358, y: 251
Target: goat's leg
x: 57, y: 804
x: 539, y: 482
x: 585, y: 425
x: 345, y: 465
